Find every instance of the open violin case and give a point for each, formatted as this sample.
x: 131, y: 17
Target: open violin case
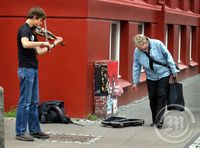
x: 119, y: 122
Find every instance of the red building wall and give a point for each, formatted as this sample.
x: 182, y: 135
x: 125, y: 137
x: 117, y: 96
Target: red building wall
x: 63, y: 72
x: 68, y: 72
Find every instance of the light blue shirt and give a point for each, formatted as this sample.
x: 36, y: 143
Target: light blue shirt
x: 158, y: 52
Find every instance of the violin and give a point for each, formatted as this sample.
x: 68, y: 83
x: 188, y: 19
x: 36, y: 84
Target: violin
x: 45, y: 33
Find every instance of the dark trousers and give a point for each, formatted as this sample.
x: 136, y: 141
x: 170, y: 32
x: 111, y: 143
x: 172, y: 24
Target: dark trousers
x: 158, y: 91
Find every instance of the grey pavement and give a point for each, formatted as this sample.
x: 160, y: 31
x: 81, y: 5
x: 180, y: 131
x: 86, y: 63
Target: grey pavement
x: 1, y: 118
x: 179, y: 135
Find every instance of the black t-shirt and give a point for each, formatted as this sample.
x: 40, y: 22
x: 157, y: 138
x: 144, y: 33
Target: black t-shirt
x: 27, y: 57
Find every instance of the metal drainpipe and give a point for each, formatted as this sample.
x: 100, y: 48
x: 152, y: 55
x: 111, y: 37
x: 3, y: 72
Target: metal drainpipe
x: 1, y: 118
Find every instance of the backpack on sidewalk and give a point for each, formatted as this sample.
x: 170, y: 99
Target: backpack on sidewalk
x: 53, y: 112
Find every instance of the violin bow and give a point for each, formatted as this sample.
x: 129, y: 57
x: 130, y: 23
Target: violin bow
x: 49, y: 33
x: 45, y: 30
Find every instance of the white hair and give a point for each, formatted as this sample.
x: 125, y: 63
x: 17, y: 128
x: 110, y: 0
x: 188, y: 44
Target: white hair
x: 140, y: 39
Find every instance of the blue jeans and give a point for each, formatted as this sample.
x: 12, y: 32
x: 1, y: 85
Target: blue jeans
x: 27, y: 111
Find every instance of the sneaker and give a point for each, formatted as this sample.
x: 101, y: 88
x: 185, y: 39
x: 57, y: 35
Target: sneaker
x: 40, y: 135
x: 25, y: 137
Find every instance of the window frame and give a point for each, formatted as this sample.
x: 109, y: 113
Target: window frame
x: 166, y: 35
x: 141, y: 31
x: 117, y: 43
x: 190, y: 45
x: 179, y: 44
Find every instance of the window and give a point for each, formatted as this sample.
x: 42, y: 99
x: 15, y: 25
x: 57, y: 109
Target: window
x: 193, y: 46
x: 141, y: 28
x: 166, y: 36
x: 141, y: 31
x: 190, y: 48
x: 115, y: 43
x: 179, y: 45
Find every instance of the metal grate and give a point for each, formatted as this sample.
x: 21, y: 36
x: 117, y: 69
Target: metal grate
x: 72, y: 138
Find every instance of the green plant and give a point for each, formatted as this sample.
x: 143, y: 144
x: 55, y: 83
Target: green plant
x: 91, y: 117
x: 10, y: 113
x: 76, y: 119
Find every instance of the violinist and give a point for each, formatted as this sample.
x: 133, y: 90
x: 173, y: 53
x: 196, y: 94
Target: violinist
x: 28, y: 49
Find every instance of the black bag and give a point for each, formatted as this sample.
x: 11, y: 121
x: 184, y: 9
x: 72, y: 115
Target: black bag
x: 53, y: 112
x: 175, y: 99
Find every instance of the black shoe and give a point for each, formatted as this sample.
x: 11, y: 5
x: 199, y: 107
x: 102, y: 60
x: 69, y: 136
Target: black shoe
x: 159, y: 125
x: 152, y: 124
x: 40, y: 135
x: 162, y: 122
x: 25, y: 137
